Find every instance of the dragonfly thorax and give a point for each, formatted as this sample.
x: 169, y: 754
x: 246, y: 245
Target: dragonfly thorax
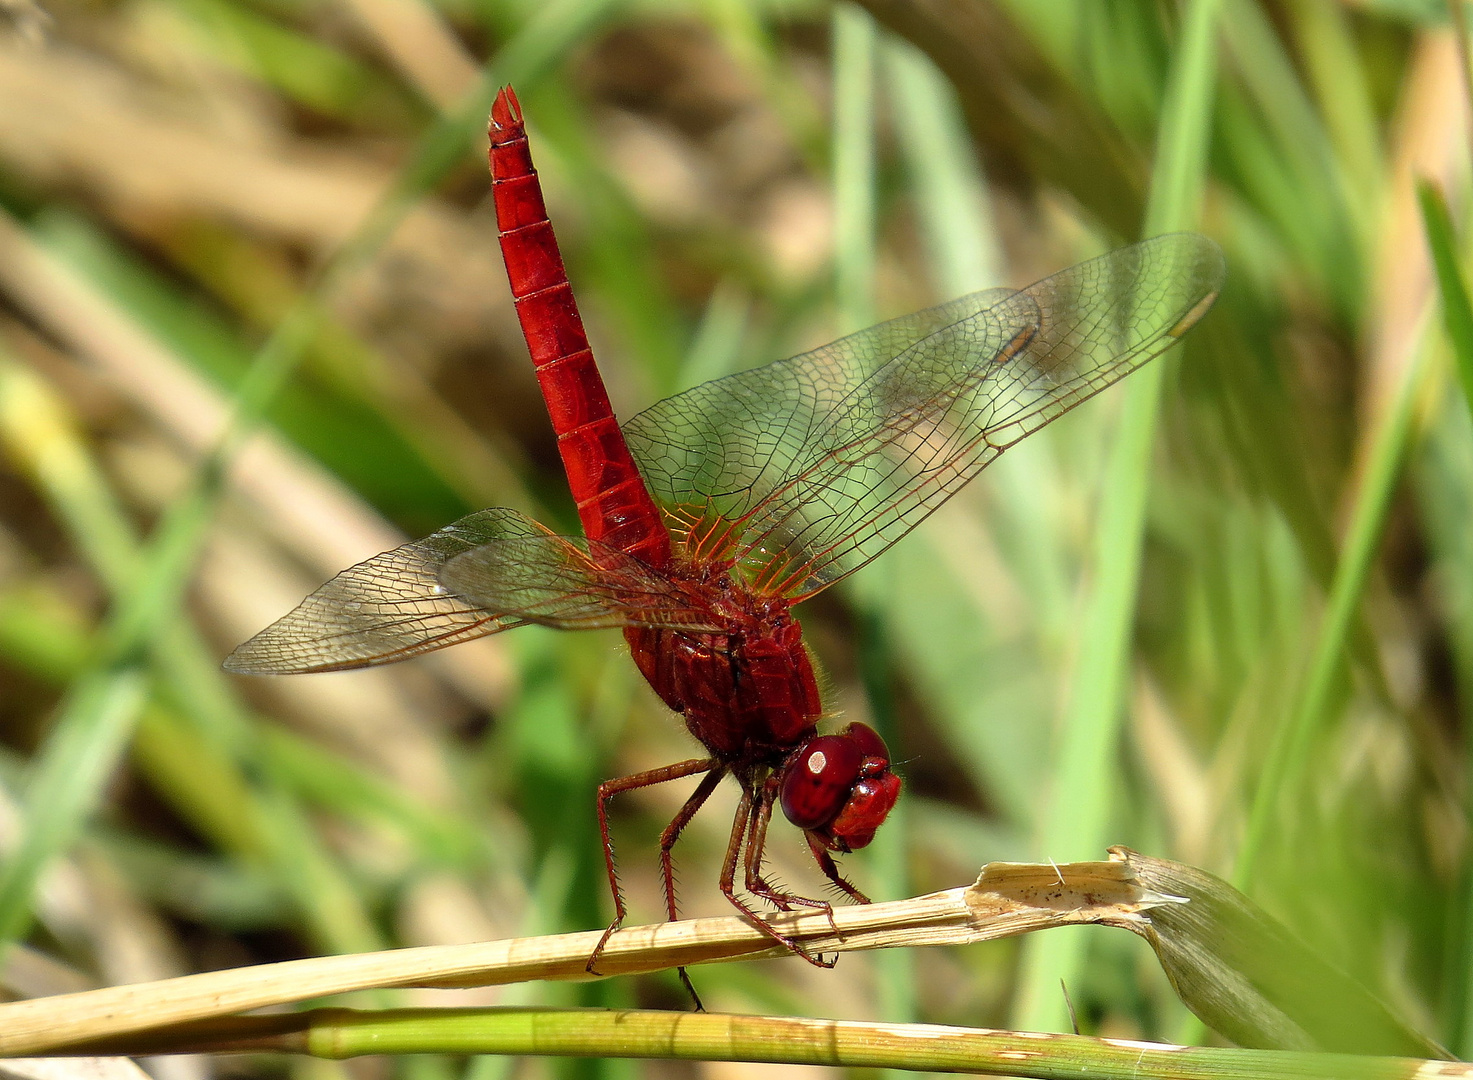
x: 749, y: 693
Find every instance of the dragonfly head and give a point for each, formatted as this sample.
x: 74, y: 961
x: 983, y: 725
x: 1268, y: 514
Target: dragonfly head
x: 839, y: 787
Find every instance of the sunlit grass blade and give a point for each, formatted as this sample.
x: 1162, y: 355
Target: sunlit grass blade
x: 189, y: 771
x: 967, y: 671
x: 1339, y: 77
x: 1444, y: 483
x: 1285, y: 146
x: 1082, y: 792
x: 1445, y: 504
x: 1253, y: 980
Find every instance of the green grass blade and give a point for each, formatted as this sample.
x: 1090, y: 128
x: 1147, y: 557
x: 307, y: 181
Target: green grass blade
x: 1343, y: 91
x: 1288, y: 756
x: 1444, y: 487
x: 1442, y: 497
x: 1300, y: 182
x: 1457, y: 312
x: 1180, y: 173
x: 950, y: 195
x: 974, y: 679
x: 69, y: 780
x: 1083, y: 785
x: 854, y: 166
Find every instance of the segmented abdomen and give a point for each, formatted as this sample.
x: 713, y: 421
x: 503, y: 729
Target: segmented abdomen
x: 613, y: 502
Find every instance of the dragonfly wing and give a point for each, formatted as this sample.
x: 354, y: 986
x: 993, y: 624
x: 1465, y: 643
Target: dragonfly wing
x: 713, y: 453
x: 403, y: 603
x: 818, y: 463
x: 387, y: 608
x: 573, y: 584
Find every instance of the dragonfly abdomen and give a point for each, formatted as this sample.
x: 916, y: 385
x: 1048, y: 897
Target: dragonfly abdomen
x: 613, y: 503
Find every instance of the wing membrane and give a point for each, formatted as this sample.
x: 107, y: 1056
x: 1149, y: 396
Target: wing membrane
x: 488, y: 572
x: 804, y: 470
x: 573, y: 584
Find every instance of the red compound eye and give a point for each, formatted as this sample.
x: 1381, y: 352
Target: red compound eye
x: 818, y: 779
x: 869, y: 742
x: 840, y: 787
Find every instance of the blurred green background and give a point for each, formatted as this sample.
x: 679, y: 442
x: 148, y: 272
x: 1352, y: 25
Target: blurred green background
x: 287, y: 202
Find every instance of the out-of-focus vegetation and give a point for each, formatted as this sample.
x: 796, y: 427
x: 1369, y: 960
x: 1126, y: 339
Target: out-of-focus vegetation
x: 176, y: 175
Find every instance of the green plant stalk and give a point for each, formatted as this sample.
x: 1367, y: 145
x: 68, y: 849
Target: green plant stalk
x: 1288, y: 754
x: 1083, y: 789
x: 1457, y: 315
x: 1325, y: 40
x: 1295, y: 155
x: 208, y: 790
x: 1457, y: 311
x: 43, y: 636
x: 658, y: 1035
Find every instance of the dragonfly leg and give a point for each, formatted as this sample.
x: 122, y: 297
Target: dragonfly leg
x: 757, y: 884
x: 742, y: 829
x: 676, y: 827
x: 606, y: 791
x: 826, y: 864
x: 667, y: 866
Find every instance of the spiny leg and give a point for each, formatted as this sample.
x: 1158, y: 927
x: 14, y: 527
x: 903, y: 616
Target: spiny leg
x: 757, y: 884
x: 676, y: 827
x: 741, y: 826
x: 667, y: 864
x: 606, y: 791
x: 826, y: 864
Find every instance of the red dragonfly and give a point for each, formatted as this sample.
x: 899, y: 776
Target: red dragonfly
x: 709, y: 515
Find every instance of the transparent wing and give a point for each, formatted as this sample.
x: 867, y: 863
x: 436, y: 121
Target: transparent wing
x: 488, y: 572
x: 804, y: 470
x: 573, y: 584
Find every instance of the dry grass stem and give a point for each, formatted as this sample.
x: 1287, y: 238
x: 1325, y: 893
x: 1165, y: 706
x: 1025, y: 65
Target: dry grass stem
x: 1006, y: 900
